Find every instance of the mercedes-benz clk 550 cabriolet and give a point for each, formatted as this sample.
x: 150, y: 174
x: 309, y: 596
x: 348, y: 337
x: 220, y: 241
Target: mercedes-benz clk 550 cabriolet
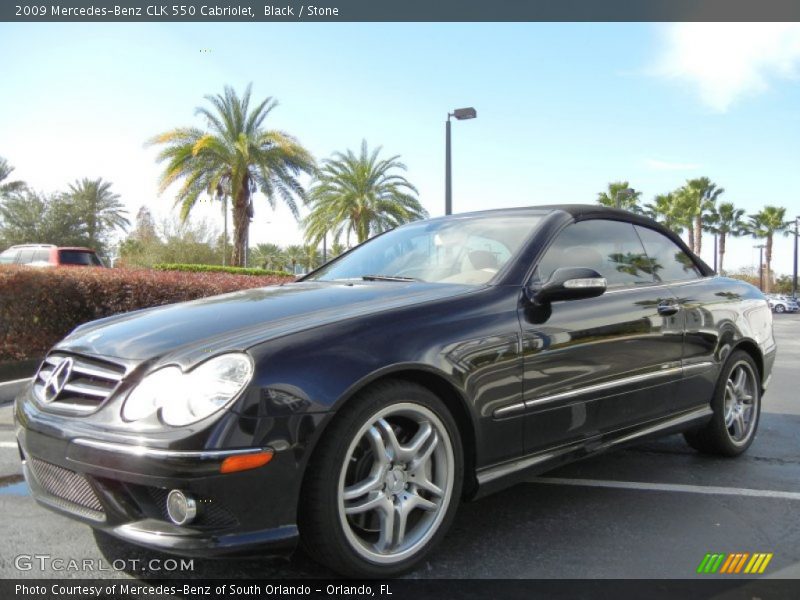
x: 354, y: 409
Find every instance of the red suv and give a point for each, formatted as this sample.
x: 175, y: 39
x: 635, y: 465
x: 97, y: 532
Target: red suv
x: 48, y: 255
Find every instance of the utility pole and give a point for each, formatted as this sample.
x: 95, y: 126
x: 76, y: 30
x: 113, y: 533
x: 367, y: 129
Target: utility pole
x: 760, y: 266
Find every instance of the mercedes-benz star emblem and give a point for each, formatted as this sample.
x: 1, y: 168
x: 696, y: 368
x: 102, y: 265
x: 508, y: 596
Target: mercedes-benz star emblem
x: 57, y: 380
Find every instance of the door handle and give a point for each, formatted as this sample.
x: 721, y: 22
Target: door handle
x: 667, y: 309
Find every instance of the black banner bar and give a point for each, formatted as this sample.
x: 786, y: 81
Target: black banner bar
x: 397, y: 10
x: 723, y: 588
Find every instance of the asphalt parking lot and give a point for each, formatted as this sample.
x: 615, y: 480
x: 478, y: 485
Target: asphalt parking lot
x: 651, y: 511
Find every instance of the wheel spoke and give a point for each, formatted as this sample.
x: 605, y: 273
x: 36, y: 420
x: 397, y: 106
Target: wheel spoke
x: 387, y: 527
x: 423, y: 483
x: 738, y: 426
x: 370, y: 484
x: 417, y: 501
x: 423, y: 455
x: 741, y: 378
x: 389, y: 439
x: 409, y: 452
x: 378, y: 446
x: 374, y: 500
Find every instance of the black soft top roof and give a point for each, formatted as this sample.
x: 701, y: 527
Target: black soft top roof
x: 582, y: 212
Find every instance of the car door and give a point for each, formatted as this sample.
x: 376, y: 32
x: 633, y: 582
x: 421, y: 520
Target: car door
x: 704, y: 309
x: 596, y: 365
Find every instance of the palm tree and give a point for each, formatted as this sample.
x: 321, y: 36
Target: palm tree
x: 666, y: 209
x: 312, y: 257
x: 360, y: 194
x: 8, y: 187
x: 620, y: 191
x: 269, y: 256
x: 701, y: 196
x: 236, y: 158
x: 337, y: 249
x: 765, y: 224
x: 294, y: 255
x: 725, y: 220
x: 101, y: 208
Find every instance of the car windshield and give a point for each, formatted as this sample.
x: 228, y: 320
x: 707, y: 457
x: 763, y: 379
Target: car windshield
x: 465, y: 250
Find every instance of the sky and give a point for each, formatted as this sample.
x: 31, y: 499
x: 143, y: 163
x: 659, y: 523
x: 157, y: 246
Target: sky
x: 563, y: 108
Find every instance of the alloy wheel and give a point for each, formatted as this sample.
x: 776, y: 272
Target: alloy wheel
x: 396, y: 483
x: 740, y: 407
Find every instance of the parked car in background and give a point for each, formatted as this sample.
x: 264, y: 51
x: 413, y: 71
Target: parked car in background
x: 354, y: 409
x: 49, y: 255
x: 783, y: 304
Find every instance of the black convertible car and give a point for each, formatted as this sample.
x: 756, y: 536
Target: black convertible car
x: 354, y: 409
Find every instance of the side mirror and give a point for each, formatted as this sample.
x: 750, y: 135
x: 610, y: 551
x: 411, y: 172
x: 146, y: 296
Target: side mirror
x: 568, y: 283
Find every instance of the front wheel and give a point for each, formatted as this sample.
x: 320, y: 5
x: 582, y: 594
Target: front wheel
x: 737, y: 408
x: 780, y: 308
x: 384, y: 483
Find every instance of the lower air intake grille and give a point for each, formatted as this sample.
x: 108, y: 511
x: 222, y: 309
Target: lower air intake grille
x: 72, y: 488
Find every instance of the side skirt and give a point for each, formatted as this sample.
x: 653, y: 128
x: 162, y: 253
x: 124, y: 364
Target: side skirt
x: 497, y: 477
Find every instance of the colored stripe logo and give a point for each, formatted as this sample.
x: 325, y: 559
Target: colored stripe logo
x: 734, y: 563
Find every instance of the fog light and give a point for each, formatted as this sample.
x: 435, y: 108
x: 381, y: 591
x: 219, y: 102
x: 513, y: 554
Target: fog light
x: 181, y: 508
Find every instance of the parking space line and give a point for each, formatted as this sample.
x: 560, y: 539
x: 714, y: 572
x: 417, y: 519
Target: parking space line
x: 8, y: 445
x: 669, y: 487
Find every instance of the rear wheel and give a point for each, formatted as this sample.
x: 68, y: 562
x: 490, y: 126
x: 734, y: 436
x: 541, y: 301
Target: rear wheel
x: 780, y: 308
x: 737, y: 408
x: 384, y: 483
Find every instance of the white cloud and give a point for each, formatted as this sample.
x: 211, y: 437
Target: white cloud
x: 726, y: 61
x: 663, y: 165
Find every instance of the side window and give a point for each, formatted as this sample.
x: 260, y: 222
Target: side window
x: 25, y: 256
x: 41, y: 255
x: 8, y: 257
x: 611, y: 248
x: 670, y: 262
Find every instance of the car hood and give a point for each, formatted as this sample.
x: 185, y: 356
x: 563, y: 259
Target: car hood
x: 242, y: 319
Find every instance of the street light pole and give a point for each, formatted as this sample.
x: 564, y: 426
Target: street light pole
x: 716, y: 253
x: 448, y: 175
x: 794, y: 271
x: 460, y: 114
x: 760, y: 266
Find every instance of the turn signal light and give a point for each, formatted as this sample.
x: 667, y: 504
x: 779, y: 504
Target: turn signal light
x: 243, y: 462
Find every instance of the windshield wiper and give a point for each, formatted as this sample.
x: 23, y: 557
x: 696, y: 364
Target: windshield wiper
x: 388, y: 278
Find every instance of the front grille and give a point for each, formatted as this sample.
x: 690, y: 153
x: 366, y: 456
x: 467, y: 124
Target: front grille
x: 74, y: 383
x: 72, y: 489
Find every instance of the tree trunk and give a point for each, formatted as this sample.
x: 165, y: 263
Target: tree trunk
x: 240, y: 223
x: 698, y: 234
x: 768, y: 266
x: 690, y: 231
x: 721, y: 250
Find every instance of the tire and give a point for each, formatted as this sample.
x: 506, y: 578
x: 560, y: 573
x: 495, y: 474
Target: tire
x: 780, y: 308
x: 366, y: 482
x: 737, y: 408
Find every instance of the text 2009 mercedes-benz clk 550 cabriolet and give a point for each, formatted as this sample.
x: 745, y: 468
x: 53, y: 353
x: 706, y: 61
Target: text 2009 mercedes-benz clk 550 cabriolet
x: 354, y: 409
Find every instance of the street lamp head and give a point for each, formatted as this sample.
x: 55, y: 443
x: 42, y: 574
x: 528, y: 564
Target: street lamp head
x: 465, y: 113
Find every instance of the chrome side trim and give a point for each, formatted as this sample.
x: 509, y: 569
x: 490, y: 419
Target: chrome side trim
x: 697, y: 368
x: 599, y: 387
x: 500, y: 471
x: 131, y: 450
x: 511, y: 409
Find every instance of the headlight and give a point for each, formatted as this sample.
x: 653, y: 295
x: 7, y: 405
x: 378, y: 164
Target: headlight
x: 184, y: 398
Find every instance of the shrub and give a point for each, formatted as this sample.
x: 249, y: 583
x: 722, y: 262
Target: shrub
x: 38, y: 307
x: 220, y: 269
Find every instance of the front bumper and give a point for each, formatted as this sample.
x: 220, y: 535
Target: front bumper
x: 121, y: 488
